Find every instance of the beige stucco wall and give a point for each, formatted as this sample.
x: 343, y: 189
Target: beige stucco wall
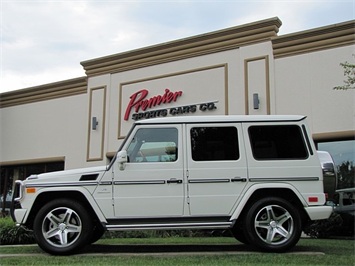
x: 292, y: 75
x: 304, y: 85
x: 45, y: 130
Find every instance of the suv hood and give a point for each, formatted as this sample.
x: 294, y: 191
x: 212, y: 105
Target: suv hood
x: 83, y: 174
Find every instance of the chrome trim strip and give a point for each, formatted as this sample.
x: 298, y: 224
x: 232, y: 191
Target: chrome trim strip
x: 105, y: 183
x: 282, y: 179
x: 21, y: 188
x: 224, y: 180
x: 140, y: 182
x: 168, y: 226
x: 73, y: 184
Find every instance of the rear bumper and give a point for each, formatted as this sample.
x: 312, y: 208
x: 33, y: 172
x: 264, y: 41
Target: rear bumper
x: 319, y: 212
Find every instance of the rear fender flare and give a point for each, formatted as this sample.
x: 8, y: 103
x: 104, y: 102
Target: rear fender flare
x: 262, y: 186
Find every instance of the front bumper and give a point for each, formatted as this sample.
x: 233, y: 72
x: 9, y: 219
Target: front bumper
x: 19, y: 216
x: 16, y: 210
x: 319, y: 212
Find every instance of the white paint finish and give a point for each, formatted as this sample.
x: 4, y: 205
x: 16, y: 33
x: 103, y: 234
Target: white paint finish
x: 217, y: 197
x: 157, y: 198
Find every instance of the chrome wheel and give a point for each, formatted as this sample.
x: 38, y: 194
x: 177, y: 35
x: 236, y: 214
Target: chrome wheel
x: 274, y: 225
x: 61, y: 227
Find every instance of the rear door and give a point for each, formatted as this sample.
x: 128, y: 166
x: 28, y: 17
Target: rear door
x: 217, y: 167
x: 282, y: 152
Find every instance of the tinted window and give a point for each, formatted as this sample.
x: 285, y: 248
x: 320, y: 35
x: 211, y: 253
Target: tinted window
x: 154, y: 145
x: 343, y: 154
x: 11, y: 173
x: 277, y: 142
x: 214, y: 143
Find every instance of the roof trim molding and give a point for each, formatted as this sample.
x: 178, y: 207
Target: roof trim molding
x: 226, y: 39
x: 44, y: 92
x: 327, y: 37
x: 33, y: 161
x: 331, y: 136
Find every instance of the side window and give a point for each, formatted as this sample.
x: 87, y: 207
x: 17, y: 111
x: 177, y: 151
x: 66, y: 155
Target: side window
x: 153, y: 145
x: 214, y: 143
x: 277, y: 142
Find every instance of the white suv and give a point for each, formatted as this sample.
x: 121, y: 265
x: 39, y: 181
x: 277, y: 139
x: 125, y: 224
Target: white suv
x: 258, y: 176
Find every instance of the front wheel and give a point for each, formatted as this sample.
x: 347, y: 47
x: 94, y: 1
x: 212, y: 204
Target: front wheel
x: 273, y: 224
x: 239, y: 233
x: 62, y: 226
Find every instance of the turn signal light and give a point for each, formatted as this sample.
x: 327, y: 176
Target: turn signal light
x: 313, y: 199
x: 31, y: 190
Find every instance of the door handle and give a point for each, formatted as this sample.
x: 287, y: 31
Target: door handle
x: 238, y: 179
x: 174, y: 180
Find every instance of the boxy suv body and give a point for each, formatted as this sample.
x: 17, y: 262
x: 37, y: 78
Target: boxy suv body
x: 258, y: 176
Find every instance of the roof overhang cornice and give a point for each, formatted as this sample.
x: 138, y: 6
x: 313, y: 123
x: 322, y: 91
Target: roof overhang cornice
x: 212, y: 42
x: 49, y: 91
x: 327, y: 37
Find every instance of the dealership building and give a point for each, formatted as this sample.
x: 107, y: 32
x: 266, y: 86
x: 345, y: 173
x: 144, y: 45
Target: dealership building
x: 243, y: 70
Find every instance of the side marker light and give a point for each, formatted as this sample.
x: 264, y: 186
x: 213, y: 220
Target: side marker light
x: 312, y: 199
x: 31, y: 190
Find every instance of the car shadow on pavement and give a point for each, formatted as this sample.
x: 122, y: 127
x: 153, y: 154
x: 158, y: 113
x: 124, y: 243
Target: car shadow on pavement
x: 170, y: 248
x: 99, y: 248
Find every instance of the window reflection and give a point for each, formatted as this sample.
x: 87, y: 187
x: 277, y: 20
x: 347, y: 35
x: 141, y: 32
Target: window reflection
x: 343, y: 154
x: 154, y: 145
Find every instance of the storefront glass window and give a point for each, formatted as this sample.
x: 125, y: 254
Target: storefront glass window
x: 9, y: 174
x: 343, y: 153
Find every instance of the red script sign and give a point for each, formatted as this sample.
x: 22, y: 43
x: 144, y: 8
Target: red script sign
x: 139, y: 101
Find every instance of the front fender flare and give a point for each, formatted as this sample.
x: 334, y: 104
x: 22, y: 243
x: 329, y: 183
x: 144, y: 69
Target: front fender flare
x: 82, y: 190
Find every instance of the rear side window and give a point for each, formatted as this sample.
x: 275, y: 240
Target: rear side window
x: 214, y: 143
x: 277, y: 142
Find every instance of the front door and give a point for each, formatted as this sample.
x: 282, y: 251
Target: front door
x: 217, y: 168
x: 152, y: 183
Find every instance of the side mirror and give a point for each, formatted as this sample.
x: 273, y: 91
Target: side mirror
x: 122, y: 159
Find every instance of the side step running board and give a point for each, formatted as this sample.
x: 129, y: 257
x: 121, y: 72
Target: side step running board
x: 170, y: 226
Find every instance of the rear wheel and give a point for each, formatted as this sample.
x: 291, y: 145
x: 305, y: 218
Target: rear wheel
x: 273, y: 224
x: 62, y: 227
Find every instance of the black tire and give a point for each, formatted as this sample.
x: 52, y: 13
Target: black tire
x: 98, y: 232
x: 62, y: 227
x: 238, y: 233
x: 273, y: 225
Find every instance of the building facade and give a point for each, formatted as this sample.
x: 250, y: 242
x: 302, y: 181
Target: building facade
x: 244, y: 70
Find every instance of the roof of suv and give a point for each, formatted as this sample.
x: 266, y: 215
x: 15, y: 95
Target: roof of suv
x: 221, y: 118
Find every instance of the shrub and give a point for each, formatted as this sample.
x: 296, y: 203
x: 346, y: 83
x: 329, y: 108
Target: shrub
x: 325, y: 228
x: 10, y: 234
x: 165, y: 233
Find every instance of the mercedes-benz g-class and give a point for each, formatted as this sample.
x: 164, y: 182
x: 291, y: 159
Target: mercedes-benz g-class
x: 258, y: 176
